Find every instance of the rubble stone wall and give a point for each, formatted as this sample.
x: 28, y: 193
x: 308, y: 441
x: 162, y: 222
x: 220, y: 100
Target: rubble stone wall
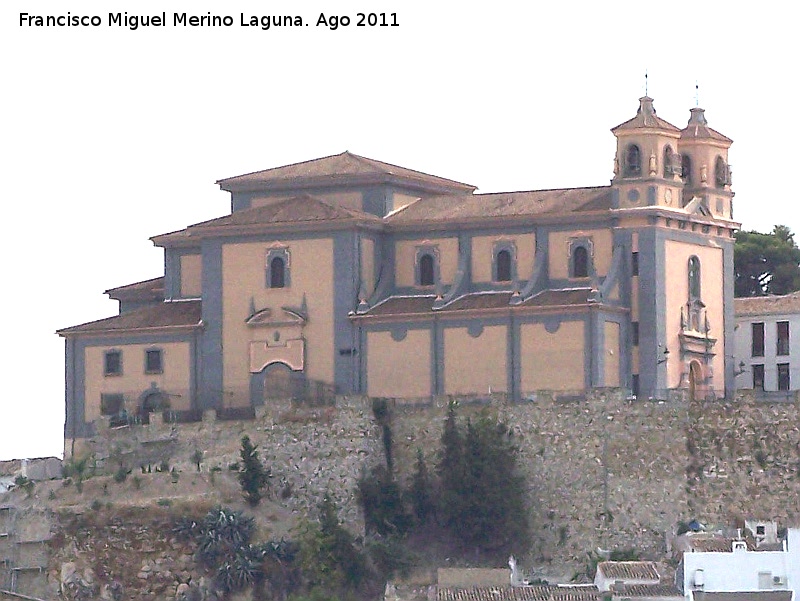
x: 603, y: 471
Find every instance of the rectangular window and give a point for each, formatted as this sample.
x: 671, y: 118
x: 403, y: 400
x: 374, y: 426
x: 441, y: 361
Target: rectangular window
x: 758, y: 340
x: 634, y: 263
x: 758, y: 377
x: 635, y: 385
x: 783, y: 376
x: 783, y: 338
x: 112, y: 363
x: 111, y: 404
x: 635, y: 333
x: 152, y: 361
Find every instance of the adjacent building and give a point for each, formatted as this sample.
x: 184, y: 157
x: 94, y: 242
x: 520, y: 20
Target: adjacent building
x: 347, y: 275
x: 743, y: 568
x: 768, y: 343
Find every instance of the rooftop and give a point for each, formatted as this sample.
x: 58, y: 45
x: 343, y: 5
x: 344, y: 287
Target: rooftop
x: 628, y: 570
x: 344, y: 168
x: 162, y: 315
x: 767, y: 305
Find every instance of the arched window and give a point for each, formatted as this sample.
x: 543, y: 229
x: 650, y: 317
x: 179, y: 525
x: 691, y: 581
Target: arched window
x: 668, y: 161
x: 503, y: 265
x: 580, y: 262
x: 633, y: 161
x: 427, y: 273
x: 686, y: 169
x: 720, y: 173
x: 694, y: 278
x: 277, y: 273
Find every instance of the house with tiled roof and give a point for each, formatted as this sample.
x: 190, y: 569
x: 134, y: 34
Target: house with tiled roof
x: 768, y: 344
x: 625, y: 573
x: 738, y: 569
x: 348, y: 275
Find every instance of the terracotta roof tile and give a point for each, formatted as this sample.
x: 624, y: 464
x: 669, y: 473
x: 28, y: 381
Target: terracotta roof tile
x: 400, y: 305
x: 302, y: 208
x: 629, y: 570
x: 646, y: 590
x: 715, y: 544
x: 163, y: 315
x: 340, y: 168
x: 505, y: 204
x: 152, y: 289
x: 698, y: 128
x: 574, y: 296
x: 519, y: 593
x: 767, y: 305
x: 646, y: 118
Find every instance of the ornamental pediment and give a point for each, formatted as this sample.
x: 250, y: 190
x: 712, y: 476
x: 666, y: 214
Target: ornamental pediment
x: 268, y: 317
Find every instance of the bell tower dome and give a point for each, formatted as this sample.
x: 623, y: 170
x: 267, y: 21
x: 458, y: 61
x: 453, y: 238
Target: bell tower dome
x: 647, y: 165
x: 704, y: 165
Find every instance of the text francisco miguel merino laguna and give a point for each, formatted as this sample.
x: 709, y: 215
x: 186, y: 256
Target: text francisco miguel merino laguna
x: 133, y: 22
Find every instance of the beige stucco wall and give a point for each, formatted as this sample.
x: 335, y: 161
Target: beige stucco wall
x: 174, y: 380
x: 402, y: 200
x: 552, y: 361
x: 602, y: 243
x: 677, y: 287
x: 475, y: 365
x: 612, y: 352
x: 191, y: 276
x: 399, y: 368
x: 244, y: 278
x: 406, y: 255
x: 483, y: 247
x: 367, y: 267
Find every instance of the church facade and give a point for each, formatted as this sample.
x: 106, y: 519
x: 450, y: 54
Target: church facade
x: 346, y: 275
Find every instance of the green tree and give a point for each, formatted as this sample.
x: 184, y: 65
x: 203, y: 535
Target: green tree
x: 253, y: 476
x: 483, y: 496
x: 420, y: 490
x: 382, y: 501
x: 766, y: 263
x: 329, y: 558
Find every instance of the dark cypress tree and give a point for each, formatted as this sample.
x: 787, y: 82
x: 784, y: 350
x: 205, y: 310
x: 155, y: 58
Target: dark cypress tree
x: 253, y: 476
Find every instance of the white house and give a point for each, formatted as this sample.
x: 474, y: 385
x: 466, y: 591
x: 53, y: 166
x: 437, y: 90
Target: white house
x: 742, y: 570
x: 767, y: 342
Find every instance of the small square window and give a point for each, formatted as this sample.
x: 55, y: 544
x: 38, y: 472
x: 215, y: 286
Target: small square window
x: 153, y: 361
x: 112, y: 363
x: 111, y: 404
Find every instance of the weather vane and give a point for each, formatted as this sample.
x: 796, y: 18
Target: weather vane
x: 645, y: 82
x: 696, y: 93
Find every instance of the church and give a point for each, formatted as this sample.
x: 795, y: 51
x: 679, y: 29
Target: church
x: 349, y: 276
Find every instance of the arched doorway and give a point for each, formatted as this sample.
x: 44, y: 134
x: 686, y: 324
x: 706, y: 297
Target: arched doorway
x: 695, y: 380
x: 151, y: 401
x: 277, y: 382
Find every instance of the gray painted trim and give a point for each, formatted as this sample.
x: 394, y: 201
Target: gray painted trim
x: 511, y: 248
x: 729, y: 318
x: 172, y: 270
x: 284, y: 255
x: 652, y: 329
x: 346, y: 279
x: 437, y: 358
x: 211, y: 388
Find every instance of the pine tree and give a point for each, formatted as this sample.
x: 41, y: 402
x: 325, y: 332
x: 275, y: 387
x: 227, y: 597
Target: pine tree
x: 253, y: 476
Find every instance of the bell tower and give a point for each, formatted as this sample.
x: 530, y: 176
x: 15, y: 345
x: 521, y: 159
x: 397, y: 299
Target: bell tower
x: 704, y: 166
x: 647, y: 164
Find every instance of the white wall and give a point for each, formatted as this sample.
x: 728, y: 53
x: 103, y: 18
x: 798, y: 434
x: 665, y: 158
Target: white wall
x: 738, y: 571
x: 770, y: 360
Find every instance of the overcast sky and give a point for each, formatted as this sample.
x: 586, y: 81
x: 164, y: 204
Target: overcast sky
x: 111, y: 136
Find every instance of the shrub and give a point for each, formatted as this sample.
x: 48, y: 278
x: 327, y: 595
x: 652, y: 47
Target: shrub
x: 253, y: 476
